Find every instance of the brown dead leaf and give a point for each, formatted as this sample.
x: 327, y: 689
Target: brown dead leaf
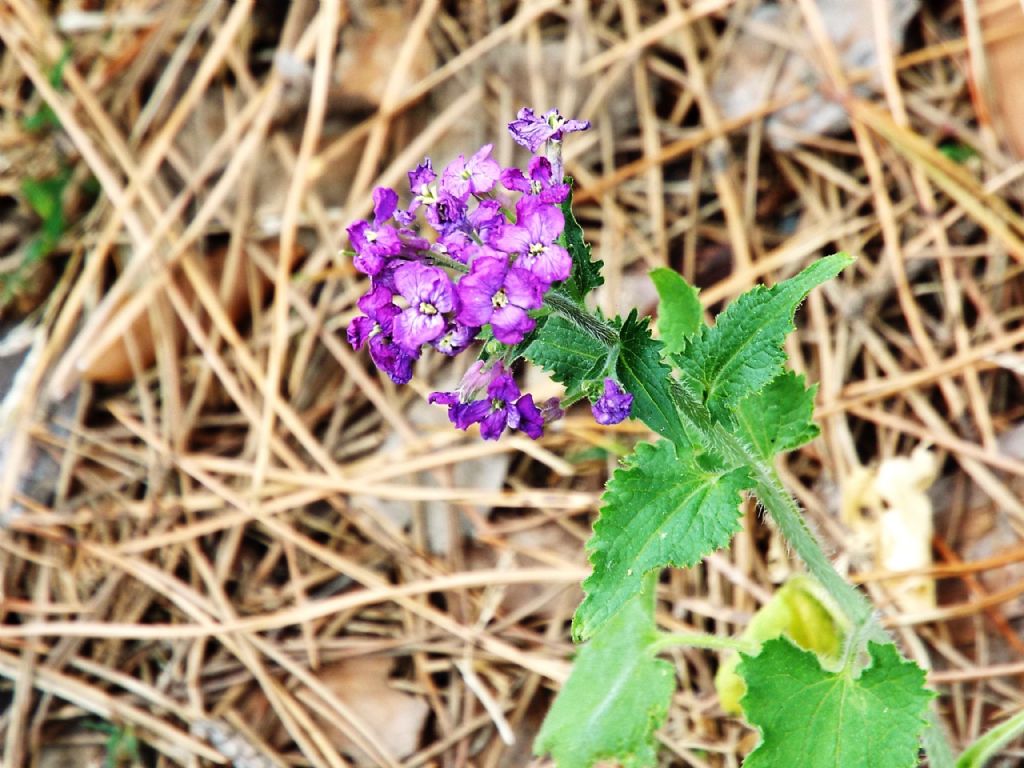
x: 774, y: 55
x: 363, y: 685
x: 72, y: 756
x: 395, y: 718
x: 526, y: 548
x: 114, y: 364
x: 1003, y: 90
x: 369, y: 46
x: 897, y: 532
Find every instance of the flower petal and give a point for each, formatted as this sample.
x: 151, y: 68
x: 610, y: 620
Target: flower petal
x: 413, y: 329
x: 511, y: 324
x: 523, y: 289
x: 511, y: 239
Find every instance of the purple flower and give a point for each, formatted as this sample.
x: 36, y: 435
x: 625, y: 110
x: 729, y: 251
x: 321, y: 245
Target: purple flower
x: 533, y: 238
x: 614, y: 405
x: 455, y: 338
x: 455, y: 245
x: 539, y: 184
x: 502, y: 408
x: 486, y: 217
x: 475, y: 176
x: 531, y: 420
x: 376, y: 300
x: 498, y: 410
x: 531, y: 131
x: 474, y: 382
x: 496, y: 293
x: 375, y: 329
x: 375, y: 243
x: 421, y: 179
x: 430, y: 294
x: 447, y: 213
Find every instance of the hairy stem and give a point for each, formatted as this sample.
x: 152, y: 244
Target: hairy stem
x: 578, y: 316
x: 778, y: 503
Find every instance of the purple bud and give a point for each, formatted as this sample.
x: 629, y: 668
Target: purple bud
x: 551, y: 410
x: 614, y: 405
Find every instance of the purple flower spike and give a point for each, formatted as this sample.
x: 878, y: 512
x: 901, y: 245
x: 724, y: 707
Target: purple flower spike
x: 495, y: 293
x: 430, y: 294
x: 614, y: 405
x: 533, y: 238
x: 531, y: 131
x: 538, y: 183
x: 475, y: 176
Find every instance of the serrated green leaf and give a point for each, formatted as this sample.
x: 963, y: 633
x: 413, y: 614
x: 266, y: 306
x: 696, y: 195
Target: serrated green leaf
x: 616, y: 697
x: 743, y: 350
x: 640, y: 370
x: 569, y: 354
x: 779, y: 417
x: 660, y: 509
x: 801, y: 610
x: 586, y: 273
x: 680, y: 314
x: 810, y: 717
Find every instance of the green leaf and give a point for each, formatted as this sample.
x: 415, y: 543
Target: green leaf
x: 680, y: 314
x: 957, y: 151
x: 639, y: 369
x: 990, y: 742
x: 779, y: 417
x: 743, y: 350
x: 660, y: 509
x: 586, y: 273
x: 810, y: 717
x: 569, y: 354
x: 616, y: 697
x: 802, y: 611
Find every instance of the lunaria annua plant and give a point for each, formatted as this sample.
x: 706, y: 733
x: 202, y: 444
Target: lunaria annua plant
x: 492, y: 258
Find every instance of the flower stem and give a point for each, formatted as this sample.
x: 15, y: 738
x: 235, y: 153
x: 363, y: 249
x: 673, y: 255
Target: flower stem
x: 444, y: 261
x: 701, y: 640
x: 778, y: 503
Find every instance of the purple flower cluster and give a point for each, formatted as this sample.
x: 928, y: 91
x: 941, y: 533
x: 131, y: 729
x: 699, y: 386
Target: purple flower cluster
x: 496, y: 230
